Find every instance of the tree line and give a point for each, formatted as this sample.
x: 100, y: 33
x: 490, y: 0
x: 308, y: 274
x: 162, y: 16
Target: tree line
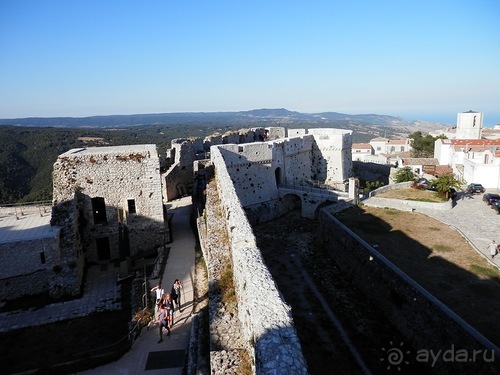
x: 27, y: 154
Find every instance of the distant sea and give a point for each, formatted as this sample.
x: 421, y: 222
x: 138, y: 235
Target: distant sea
x: 490, y: 119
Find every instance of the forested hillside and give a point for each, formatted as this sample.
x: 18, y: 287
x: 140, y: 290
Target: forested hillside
x: 27, y: 154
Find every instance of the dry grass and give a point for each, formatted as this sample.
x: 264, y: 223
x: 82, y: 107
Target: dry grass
x: 412, y: 194
x: 225, y: 286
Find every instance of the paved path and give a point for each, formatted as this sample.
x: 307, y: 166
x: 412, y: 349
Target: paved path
x: 471, y: 216
x: 147, y: 356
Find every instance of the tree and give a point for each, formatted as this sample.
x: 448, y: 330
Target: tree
x: 444, y: 183
x: 369, y: 186
x: 404, y: 175
x: 423, y: 146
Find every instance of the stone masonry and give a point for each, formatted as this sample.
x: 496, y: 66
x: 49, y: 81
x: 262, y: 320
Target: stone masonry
x: 119, y: 198
x: 265, y: 317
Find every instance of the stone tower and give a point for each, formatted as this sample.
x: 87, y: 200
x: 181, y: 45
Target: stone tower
x: 469, y: 125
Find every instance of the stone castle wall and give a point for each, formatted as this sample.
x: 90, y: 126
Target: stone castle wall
x: 51, y: 263
x: 178, y: 179
x: 264, y: 324
x: 118, y: 175
x: 67, y: 281
x: 257, y: 169
x: 332, y: 157
x: 36, y: 268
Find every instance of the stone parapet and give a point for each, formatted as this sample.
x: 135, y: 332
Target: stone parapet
x: 266, y: 318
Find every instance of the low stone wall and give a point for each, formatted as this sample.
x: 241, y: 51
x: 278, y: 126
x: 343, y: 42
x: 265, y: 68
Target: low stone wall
x: 384, y: 189
x: 266, y: 318
x: 423, y: 320
x: 401, y: 204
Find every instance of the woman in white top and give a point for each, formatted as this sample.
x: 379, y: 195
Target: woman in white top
x: 159, y: 294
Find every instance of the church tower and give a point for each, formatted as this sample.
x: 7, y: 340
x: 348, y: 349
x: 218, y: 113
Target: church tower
x: 469, y: 125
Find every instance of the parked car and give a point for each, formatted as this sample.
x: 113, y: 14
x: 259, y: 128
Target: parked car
x: 489, y: 198
x: 496, y: 206
x: 475, y: 188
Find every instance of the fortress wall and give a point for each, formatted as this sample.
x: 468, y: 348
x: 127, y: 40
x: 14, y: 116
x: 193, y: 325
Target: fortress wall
x: 332, y: 155
x: 37, y: 269
x: 266, y: 211
x: 420, y: 317
x: 371, y: 171
x: 250, y: 168
x: 265, y: 316
x: 70, y: 256
x: 296, y: 132
x: 230, y: 138
x: 297, y: 160
x: 178, y: 180
x: 212, y: 140
x: 115, y: 174
x: 170, y: 178
x: 275, y: 132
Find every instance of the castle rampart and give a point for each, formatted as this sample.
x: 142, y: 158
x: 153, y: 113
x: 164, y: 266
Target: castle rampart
x: 178, y: 179
x: 265, y: 316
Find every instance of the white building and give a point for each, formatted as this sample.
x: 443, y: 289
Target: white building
x: 473, y: 160
x: 473, y: 153
x: 360, y: 151
x: 390, y: 146
x: 469, y: 125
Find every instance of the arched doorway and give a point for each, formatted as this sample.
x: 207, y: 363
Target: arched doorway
x: 277, y: 176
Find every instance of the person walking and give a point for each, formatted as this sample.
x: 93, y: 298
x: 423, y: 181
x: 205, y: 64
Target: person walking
x: 493, y: 247
x: 169, y: 307
x: 159, y: 294
x: 163, y: 320
x: 176, y: 293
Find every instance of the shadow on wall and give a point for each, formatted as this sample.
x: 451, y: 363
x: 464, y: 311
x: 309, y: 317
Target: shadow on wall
x: 371, y: 172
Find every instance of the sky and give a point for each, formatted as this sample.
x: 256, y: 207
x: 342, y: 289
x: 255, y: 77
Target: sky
x: 425, y: 60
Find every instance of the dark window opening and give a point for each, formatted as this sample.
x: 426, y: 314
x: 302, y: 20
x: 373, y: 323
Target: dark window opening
x: 99, y: 210
x: 103, y: 251
x: 131, y: 206
x: 42, y: 257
